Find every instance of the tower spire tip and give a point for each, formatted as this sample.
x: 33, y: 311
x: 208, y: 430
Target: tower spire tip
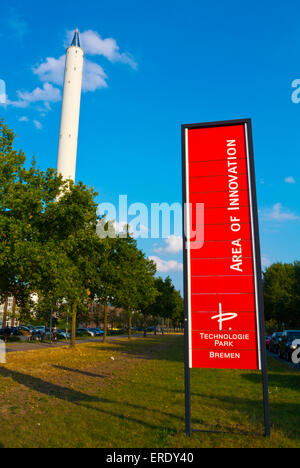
x: 76, y: 41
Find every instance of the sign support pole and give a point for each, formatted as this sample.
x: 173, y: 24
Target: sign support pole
x: 188, y: 425
x: 263, y: 354
x: 266, y: 395
x: 187, y: 379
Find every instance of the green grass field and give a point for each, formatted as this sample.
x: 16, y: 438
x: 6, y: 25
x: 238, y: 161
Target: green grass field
x: 83, y: 398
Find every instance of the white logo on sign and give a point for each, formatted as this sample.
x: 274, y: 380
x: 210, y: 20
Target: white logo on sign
x: 296, y: 353
x: 223, y: 317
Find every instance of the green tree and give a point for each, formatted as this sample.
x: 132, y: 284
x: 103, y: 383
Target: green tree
x: 24, y: 193
x: 48, y: 239
x: 72, y: 226
x: 168, y: 304
x: 135, y: 275
x: 279, y: 293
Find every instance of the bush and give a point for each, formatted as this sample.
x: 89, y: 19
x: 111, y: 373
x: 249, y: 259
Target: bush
x: 14, y: 339
x: 116, y: 332
x: 11, y: 339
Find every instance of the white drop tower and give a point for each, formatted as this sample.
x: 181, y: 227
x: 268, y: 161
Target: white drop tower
x: 68, y: 134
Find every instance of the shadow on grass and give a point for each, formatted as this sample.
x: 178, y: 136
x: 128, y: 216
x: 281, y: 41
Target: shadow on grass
x: 290, y: 381
x: 77, y: 371
x: 165, y: 348
x: 48, y: 388
x: 285, y: 416
x: 78, y: 398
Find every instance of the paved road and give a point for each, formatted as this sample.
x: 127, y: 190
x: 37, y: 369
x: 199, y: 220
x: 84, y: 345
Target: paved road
x: 291, y: 364
x: 16, y: 347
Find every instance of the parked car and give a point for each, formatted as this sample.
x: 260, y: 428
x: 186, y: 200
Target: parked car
x: 44, y: 331
x: 42, y: 328
x: 24, y: 331
x: 63, y: 334
x: 85, y: 331
x: 98, y: 331
x: 31, y: 327
x: 286, y: 347
x: 93, y: 332
x: 274, y: 342
x: 268, y: 339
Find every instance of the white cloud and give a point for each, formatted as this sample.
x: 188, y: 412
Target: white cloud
x: 278, y: 214
x: 173, y: 244
x: 163, y: 266
x: 265, y: 261
x: 290, y: 180
x: 93, y: 44
x: 18, y: 26
x: 46, y: 94
x: 51, y: 70
x: 94, y: 77
x: 2, y: 92
x: 38, y: 124
x: 23, y: 119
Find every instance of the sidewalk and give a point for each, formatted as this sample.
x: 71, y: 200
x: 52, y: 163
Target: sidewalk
x: 27, y: 346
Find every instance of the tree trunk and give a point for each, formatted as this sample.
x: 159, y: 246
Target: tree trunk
x: 74, y: 320
x: 51, y: 317
x: 4, y: 313
x: 67, y: 324
x: 129, y: 326
x: 105, y: 323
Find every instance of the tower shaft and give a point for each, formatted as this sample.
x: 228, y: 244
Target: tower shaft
x: 68, y: 134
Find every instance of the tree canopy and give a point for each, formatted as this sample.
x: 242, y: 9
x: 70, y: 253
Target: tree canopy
x: 49, y: 247
x: 282, y: 294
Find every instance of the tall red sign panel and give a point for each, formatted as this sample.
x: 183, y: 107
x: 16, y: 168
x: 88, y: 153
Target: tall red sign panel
x: 222, y: 263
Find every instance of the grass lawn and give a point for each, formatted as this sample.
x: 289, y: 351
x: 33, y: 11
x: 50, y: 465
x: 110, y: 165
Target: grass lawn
x: 84, y: 398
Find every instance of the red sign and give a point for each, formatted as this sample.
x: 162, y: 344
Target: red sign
x: 222, y: 259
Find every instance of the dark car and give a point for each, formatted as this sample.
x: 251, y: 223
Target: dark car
x: 286, y: 344
x: 274, y: 342
x: 84, y: 332
x: 24, y: 331
x: 15, y: 331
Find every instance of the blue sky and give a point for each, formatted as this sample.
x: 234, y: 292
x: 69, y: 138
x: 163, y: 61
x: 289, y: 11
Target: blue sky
x: 152, y: 66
